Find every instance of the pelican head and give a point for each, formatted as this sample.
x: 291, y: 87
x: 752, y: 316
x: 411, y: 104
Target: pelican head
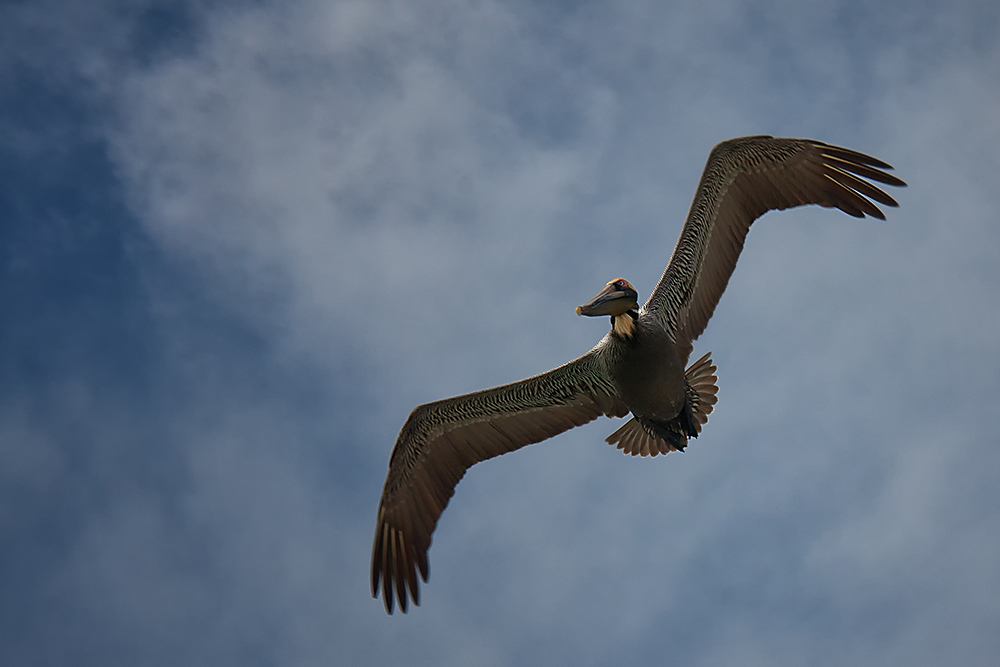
x: 619, y: 300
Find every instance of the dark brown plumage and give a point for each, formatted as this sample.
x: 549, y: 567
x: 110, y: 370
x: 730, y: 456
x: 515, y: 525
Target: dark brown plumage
x: 638, y: 367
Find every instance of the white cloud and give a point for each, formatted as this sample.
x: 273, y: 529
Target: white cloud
x: 409, y: 200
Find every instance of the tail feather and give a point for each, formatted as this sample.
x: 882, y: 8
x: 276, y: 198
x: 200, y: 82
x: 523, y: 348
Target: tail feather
x: 644, y: 437
x: 702, y: 389
x: 640, y: 438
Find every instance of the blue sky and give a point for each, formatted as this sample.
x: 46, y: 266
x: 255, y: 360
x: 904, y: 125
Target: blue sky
x: 241, y: 241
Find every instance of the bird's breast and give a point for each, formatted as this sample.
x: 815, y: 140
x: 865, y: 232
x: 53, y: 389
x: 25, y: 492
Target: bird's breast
x: 650, y: 375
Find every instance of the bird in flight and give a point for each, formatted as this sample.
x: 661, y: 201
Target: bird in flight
x: 637, y: 368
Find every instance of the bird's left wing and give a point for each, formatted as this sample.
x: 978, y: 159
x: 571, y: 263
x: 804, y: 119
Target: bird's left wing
x: 744, y: 179
x: 441, y: 440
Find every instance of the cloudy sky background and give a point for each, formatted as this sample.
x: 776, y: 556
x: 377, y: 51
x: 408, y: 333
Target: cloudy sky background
x: 241, y: 241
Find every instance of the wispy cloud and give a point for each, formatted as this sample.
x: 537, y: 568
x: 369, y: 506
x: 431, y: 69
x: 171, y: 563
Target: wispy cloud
x: 344, y: 209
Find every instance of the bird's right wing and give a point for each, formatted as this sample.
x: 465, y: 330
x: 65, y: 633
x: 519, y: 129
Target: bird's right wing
x: 744, y: 179
x: 441, y: 440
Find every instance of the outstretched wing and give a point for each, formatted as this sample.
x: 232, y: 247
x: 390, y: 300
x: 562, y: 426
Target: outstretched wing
x: 441, y: 440
x: 744, y: 179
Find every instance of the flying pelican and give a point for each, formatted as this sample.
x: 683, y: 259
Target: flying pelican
x: 637, y: 367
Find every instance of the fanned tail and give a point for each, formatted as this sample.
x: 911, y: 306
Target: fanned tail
x: 702, y: 389
x: 645, y: 437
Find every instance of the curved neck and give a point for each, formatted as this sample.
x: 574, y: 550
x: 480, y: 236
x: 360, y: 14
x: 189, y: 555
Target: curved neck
x: 623, y: 326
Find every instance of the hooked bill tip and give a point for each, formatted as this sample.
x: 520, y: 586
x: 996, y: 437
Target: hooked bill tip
x: 579, y: 310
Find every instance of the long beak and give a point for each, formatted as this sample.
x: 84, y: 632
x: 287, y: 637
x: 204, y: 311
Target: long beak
x: 610, y: 301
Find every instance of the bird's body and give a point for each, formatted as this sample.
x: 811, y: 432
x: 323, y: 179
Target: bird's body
x: 638, y: 367
x: 647, y: 371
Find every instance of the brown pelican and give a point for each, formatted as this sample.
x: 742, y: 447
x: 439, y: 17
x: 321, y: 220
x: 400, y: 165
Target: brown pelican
x: 637, y: 367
